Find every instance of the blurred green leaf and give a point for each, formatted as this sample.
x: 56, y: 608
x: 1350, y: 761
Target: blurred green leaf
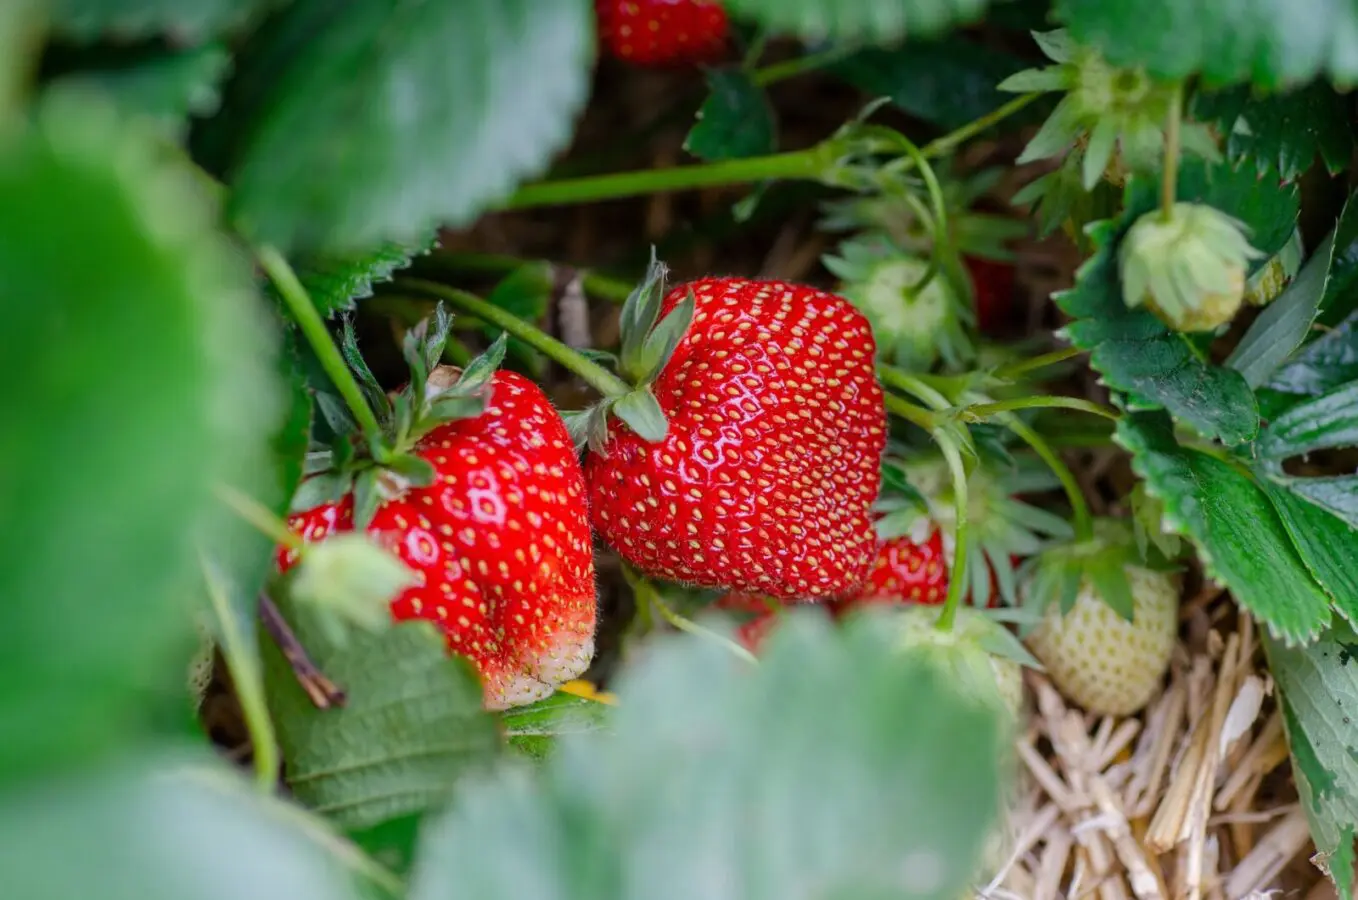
x: 1318, y: 685
x: 860, y: 20
x: 161, y: 830
x: 1322, y: 365
x: 536, y: 730
x: 1282, y: 133
x: 786, y: 781
x: 374, y: 121
x: 1272, y: 43
x: 1136, y: 353
x: 141, y: 380
x: 1286, y: 322
x: 735, y: 121
x: 165, y: 86
x: 947, y: 83
x: 335, y: 282
x: 1325, y: 543
x: 1239, y: 537
x: 411, y: 725
x: 123, y: 19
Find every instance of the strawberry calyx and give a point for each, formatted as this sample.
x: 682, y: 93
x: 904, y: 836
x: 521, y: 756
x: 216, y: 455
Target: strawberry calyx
x: 1106, y: 110
x: 1188, y: 266
x: 919, y: 310
x: 1056, y: 574
x: 1001, y: 527
x: 384, y: 468
x: 647, y: 341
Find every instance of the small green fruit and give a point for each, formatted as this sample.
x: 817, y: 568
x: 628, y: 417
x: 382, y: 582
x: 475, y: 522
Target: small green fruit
x: 1188, y: 268
x: 976, y: 672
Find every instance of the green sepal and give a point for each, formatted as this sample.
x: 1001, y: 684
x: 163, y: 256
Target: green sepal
x: 367, y: 382
x: 414, y: 470
x: 318, y: 490
x: 1056, y: 574
x: 423, y: 346
x: 451, y: 407
x: 642, y: 413
x: 999, y: 641
x: 603, y: 357
x: 588, y: 428
x: 640, y: 313
x: 659, y: 345
x: 336, y: 415
x: 480, y: 370
x: 367, y: 497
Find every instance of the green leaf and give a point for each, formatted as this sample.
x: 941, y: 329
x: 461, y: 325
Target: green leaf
x: 709, y: 765
x: 642, y: 413
x: 165, y: 828
x: 866, y: 21
x: 1322, y: 365
x: 390, y: 118
x: 946, y: 83
x: 166, y: 87
x: 1272, y: 43
x: 1227, y: 516
x: 1134, y: 351
x: 1319, y: 691
x: 124, y: 19
x: 1282, y: 133
x: 1325, y: 543
x: 1286, y: 322
x: 735, y: 121
x: 1327, y: 422
x: 141, y: 378
x: 536, y: 730
x: 335, y: 282
x: 411, y: 725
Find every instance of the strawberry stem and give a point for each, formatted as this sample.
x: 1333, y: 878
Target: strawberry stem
x: 1016, y: 370
x: 916, y: 415
x: 313, y: 328
x: 982, y: 411
x: 957, y: 575
x: 650, y: 597
x: 1169, y: 178
x: 599, y: 378
x: 249, y: 688
x: 811, y: 164
x: 809, y: 62
x: 1083, y: 521
x: 604, y: 287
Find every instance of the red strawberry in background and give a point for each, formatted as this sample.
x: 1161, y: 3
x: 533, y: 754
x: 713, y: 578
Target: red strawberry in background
x: 993, y: 283
x: 765, y: 479
x: 905, y: 572
x: 662, y: 32
x: 498, y: 539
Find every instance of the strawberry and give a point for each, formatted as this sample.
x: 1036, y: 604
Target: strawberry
x: 905, y: 572
x: 487, y: 509
x: 759, y: 614
x: 1109, y: 621
x: 662, y: 32
x: 764, y: 477
x: 993, y: 287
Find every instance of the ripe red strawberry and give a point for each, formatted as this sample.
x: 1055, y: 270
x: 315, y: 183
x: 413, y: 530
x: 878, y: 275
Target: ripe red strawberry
x: 905, y: 572
x: 499, y: 542
x: 765, y: 479
x: 662, y: 32
x: 993, y: 284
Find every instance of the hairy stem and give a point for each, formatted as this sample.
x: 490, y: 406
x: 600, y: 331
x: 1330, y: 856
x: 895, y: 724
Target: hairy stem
x: 917, y: 415
x: 313, y: 328
x: 957, y: 576
x: 982, y: 411
x: 648, y: 596
x: 614, y: 290
x: 595, y: 375
x: 1016, y: 370
x: 1079, y: 507
x: 809, y: 62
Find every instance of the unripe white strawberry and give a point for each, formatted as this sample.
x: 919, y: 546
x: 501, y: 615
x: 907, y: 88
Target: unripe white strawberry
x: 976, y: 672
x: 1101, y: 661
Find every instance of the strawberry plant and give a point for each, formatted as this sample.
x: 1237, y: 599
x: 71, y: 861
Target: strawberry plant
x: 678, y: 448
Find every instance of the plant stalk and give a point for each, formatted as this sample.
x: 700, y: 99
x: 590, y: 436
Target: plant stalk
x: 313, y: 328
x: 957, y: 575
x: 1016, y: 370
x: 1169, y: 177
x: 982, y: 411
x: 595, y: 375
x: 1079, y: 507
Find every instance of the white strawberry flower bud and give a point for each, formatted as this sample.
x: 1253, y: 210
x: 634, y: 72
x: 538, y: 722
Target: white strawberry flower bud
x: 1188, y: 268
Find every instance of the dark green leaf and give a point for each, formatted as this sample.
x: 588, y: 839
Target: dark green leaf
x: 335, y: 282
x: 142, y: 378
x: 859, y: 20
x: 1325, y: 543
x: 166, y: 87
x: 1319, y: 689
x: 735, y: 121
x: 537, y: 729
x: 1272, y: 43
x: 947, y: 83
x: 1240, y: 539
x: 642, y: 413
x: 411, y: 725
x: 1326, y: 422
x: 1282, y: 133
x: 163, y: 831
x: 1322, y: 365
x: 186, y: 19
x: 395, y: 117
x: 1285, y: 324
x: 741, y: 755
